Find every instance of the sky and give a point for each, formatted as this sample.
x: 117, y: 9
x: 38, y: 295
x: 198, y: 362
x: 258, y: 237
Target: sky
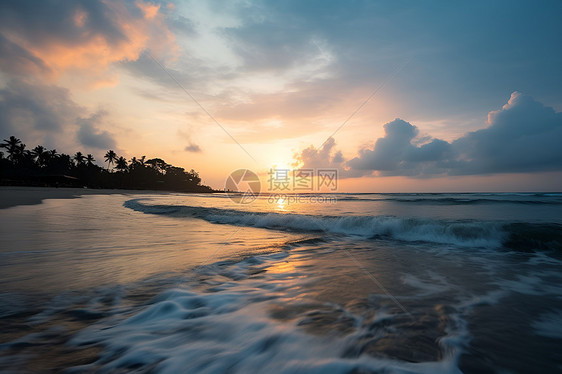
x: 398, y: 96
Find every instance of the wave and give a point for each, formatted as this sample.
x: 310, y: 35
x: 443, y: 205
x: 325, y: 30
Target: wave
x: 517, y: 236
x: 269, y: 325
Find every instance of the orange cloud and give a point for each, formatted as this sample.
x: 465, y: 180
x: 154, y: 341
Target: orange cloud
x: 89, y: 49
x: 80, y: 18
x: 149, y: 10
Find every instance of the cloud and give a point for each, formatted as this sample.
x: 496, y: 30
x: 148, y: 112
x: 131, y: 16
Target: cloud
x: 271, y: 44
x: 149, y: 10
x: 46, y: 114
x: 358, y: 46
x: 326, y: 157
x: 396, y: 153
x: 18, y: 60
x: 90, y: 136
x: 52, y: 36
x: 144, y: 66
x: 263, y: 68
x: 254, y: 68
x: 193, y: 148
x: 40, y: 112
x: 523, y: 136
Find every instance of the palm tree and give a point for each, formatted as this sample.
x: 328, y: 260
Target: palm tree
x: 135, y: 164
x: 90, y: 160
x: 38, y: 151
x: 21, y: 153
x: 79, y: 158
x: 39, y: 154
x: 158, y: 164
x: 110, y: 158
x: 50, y: 156
x: 12, y: 146
x: 121, y: 164
x: 64, y: 162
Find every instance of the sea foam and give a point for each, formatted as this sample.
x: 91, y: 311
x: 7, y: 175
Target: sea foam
x: 460, y: 233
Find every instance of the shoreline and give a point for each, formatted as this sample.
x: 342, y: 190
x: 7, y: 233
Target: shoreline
x: 12, y: 196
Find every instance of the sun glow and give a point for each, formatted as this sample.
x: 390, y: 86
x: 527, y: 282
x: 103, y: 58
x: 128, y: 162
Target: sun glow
x: 281, y: 165
x: 281, y: 204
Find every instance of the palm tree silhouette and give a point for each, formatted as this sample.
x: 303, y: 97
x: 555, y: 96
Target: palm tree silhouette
x: 40, y: 155
x: 79, y: 158
x: 38, y: 151
x: 50, y: 156
x: 110, y: 158
x: 121, y: 164
x: 12, y: 146
x: 38, y: 165
x: 90, y: 160
x: 21, y: 153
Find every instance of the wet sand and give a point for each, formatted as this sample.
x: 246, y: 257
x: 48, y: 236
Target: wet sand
x: 14, y: 196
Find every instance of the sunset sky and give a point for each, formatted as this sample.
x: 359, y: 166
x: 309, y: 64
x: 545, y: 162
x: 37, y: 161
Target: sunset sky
x: 452, y: 96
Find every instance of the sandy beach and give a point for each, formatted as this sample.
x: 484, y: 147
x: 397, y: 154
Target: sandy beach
x: 14, y: 196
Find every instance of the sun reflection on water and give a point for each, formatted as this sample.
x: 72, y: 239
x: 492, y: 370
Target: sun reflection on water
x: 281, y: 204
x: 282, y: 268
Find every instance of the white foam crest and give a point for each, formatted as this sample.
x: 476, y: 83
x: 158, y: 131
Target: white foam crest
x: 474, y: 234
x: 467, y: 234
x: 222, y: 331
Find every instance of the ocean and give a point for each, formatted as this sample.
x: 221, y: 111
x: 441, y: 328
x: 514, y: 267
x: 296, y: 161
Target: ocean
x: 334, y: 283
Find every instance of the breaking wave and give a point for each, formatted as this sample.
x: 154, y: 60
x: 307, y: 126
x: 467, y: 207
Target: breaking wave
x: 518, y: 236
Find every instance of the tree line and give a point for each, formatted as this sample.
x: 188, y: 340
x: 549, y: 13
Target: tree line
x: 46, y: 167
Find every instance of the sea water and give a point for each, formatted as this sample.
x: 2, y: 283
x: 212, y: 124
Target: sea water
x: 339, y: 283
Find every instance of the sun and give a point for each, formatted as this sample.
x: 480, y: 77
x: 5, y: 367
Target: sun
x: 281, y: 165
